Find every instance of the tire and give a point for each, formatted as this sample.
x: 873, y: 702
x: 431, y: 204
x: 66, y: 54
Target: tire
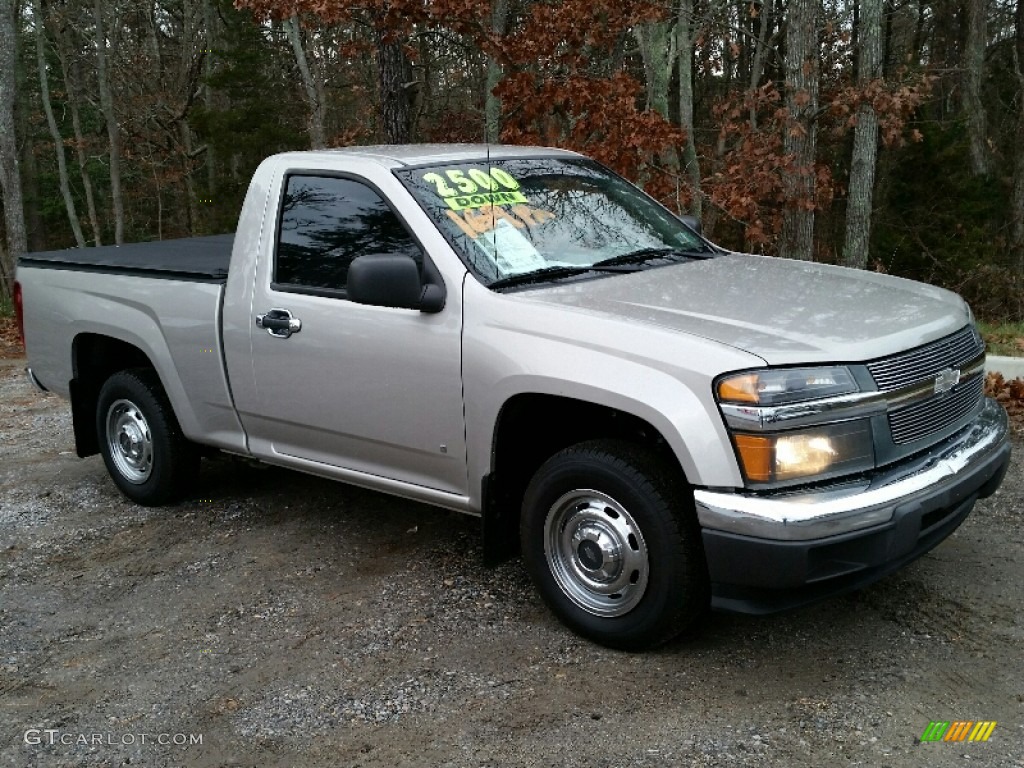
x: 148, y: 458
x: 611, y: 541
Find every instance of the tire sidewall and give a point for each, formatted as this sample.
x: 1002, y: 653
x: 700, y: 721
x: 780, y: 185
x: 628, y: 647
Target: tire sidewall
x: 670, y: 576
x: 162, y: 485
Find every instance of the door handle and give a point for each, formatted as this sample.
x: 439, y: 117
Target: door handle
x: 279, y: 323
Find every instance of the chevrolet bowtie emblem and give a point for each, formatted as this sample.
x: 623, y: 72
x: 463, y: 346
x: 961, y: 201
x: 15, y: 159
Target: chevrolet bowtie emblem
x: 946, y: 380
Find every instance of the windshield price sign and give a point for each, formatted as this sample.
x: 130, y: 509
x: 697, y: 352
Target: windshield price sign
x: 463, y: 189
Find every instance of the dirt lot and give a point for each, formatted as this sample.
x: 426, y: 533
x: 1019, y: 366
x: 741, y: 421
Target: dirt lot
x: 288, y: 621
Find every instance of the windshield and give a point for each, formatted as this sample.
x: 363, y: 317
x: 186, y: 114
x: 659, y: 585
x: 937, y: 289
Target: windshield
x: 547, y: 218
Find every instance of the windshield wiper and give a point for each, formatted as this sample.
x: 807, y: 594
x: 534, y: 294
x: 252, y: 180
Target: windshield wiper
x: 556, y: 272
x: 650, y: 254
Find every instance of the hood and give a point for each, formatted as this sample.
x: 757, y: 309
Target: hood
x: 781, y: 310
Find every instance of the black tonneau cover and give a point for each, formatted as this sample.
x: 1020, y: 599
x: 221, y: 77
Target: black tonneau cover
x: 190, y: 258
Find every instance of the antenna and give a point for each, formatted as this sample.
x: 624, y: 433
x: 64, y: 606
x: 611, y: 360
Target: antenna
x: 487, y: 151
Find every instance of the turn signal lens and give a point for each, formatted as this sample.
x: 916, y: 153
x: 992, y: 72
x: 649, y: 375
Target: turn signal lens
x: 756, y: 456
x: 779, y: 386
x: 739, y: 389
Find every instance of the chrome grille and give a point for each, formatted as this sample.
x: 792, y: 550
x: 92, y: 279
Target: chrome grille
x: 917, y: 421
x: 924, y: 362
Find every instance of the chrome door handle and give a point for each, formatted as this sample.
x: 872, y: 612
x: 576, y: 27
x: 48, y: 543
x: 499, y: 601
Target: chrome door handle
x: 279, y: 323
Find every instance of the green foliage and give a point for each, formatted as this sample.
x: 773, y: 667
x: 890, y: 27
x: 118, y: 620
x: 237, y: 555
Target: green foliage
x: 254, y: 112
x: 1003, y: 338
x: 937, y: 223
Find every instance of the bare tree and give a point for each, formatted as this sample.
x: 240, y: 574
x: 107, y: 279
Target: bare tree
x: 492, y: 104
x: 394, y: 73
x: 10, y: 174
x: 658, y: 50
x: 800, y: 142
x: 761, y: 45
x: 974, y: 70
x: 113, y: 129
x: 58, y: 140
x: 312, y: 86
x: 68, y: 66
x: 684, y: 50
x: 1017, y: 195
x: 865, y: 139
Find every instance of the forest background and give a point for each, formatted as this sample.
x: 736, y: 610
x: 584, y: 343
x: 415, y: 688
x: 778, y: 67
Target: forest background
x: 881, y: 134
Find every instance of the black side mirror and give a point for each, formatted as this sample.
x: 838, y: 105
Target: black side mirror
x: 392, y: 280
x: 693, y: 223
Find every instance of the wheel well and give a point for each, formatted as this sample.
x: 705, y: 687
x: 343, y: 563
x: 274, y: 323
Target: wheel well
x: 531, y: 428
x: 94, y: 359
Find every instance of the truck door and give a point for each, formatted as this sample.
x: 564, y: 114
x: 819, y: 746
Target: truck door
x: 374, y: 390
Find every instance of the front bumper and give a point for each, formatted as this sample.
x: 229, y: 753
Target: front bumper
x: 777, y: 551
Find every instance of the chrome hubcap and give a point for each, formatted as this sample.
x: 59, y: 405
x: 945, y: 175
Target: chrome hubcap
x: 596, y: 553
x: 129, y: 441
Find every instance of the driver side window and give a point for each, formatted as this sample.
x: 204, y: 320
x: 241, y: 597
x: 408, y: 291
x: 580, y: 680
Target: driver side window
x: 326, y: 222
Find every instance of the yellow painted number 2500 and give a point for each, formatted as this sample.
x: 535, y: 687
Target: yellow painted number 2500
x: 470, y: 181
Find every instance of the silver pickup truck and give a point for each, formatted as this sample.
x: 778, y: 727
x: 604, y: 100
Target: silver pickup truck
x: 656, y: 424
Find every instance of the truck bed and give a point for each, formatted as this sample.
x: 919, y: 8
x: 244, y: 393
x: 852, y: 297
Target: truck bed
x: 202, y: 259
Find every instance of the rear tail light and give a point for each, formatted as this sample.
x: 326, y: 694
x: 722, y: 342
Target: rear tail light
x: 19, y: 311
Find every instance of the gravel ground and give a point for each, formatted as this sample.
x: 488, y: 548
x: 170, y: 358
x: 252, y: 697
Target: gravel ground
x: 288, y: 621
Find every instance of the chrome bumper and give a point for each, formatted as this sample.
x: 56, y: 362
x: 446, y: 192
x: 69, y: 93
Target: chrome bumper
x: 838, y: 509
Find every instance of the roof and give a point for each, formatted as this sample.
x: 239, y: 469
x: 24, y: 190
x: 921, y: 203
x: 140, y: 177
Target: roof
x: 426, y: 154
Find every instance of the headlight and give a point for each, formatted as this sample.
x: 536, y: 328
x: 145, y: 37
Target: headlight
x: 814, y: 453
x: 785, y: 426
x: 785, y: 385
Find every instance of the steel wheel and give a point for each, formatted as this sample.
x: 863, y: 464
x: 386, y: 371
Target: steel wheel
x: 148, y: 458
x: 609, y: 537
x: 596, y: 553
x: 130, y: 441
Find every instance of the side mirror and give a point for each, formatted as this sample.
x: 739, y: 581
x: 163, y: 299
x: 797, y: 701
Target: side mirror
x: 693, y: 223
x: 392, y: 280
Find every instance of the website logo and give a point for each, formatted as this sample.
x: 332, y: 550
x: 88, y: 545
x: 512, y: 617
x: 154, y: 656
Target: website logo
x: 958, y: 730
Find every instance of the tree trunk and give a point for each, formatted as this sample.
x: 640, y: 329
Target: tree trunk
x: 393, y: 73
x: 657, y: 48
x: 113, y: 129
x: 212, y: 38
x: 865, y: 140
x: 760, y: 52
x: 313, y: 89
x: 58, y: 140
x: 492, y: 104
x: 1017, y: 195
x: 801, y: 133
x: 30, y: 194
x: 684, y: 50
x: 10, y: 173
x: 187, y: 178
x: 974, y: 70
x: 71, y: 86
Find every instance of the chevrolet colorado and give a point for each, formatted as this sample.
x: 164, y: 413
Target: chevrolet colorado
x: 658, y: 425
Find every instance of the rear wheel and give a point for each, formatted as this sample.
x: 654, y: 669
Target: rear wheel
x: 148, y: 458
x: 610, y: 539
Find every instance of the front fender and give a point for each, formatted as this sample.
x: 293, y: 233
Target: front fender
x: 658, y: 375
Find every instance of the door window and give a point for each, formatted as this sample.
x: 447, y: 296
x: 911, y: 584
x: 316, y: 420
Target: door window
x: 328, y: 221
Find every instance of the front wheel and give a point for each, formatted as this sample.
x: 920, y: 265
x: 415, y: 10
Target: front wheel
x: 611, y: 542
x: 148, y: 458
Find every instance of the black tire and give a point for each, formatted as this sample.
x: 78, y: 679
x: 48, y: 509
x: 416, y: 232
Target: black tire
x: 642, y: 578
x: 148, y: 458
